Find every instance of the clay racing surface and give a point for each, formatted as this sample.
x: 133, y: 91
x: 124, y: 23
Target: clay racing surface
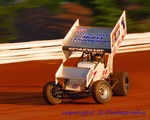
x: 21, y: 92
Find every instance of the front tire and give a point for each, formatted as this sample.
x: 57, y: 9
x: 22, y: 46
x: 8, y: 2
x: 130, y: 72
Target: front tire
x: 50, y: 93
x: 101, y: 91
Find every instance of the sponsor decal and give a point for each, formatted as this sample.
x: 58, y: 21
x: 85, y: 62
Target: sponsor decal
x: 104, y: 72
x: 116, y: 34
x: 119, y: 31
x: 86, y: 49
x: 124, y: 27
x: 81, y: 29
x: 123, y: 23
x: 75, y: 86
x: 91, y: 37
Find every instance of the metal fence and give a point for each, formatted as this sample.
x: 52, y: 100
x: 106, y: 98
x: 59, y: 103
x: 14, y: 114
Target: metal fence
x: 51, y: 49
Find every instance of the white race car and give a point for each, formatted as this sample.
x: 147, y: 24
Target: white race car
x: 93, y: 74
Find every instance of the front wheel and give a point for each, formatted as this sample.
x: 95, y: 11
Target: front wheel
x: 51, y: 93
x: 101, y: 91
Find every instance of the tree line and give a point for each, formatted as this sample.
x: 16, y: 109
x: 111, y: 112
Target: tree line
x: 105, y: 13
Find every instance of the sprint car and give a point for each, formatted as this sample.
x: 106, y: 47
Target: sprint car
x: 93, y: 73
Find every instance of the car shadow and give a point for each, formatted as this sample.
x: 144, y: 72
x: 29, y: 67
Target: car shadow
x: 36, y: 98
x: 22, y: 98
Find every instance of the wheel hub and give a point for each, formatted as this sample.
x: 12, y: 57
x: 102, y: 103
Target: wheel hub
x: 104, y: 91
x: 127, y: 84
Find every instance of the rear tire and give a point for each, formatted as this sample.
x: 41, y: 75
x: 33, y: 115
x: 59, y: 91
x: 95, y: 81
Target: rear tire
x: 50, y: 95
x: 101, y: 91
x: 123, y: 84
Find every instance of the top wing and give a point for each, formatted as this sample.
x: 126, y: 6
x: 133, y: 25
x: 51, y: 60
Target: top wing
x: 85, y: 38
x: 97, y: 39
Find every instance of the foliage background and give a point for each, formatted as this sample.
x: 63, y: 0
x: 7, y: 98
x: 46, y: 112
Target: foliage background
x: 105, y: 13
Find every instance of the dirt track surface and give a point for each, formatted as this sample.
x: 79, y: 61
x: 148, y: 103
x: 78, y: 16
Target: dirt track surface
x: 21, y: 92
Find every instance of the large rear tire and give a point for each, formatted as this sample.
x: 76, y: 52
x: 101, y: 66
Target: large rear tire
x: 123, y: 84
x: 50, y: 93
x: 101, y: 91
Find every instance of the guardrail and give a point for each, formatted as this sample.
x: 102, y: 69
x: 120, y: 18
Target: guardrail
x: 51, y: 49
